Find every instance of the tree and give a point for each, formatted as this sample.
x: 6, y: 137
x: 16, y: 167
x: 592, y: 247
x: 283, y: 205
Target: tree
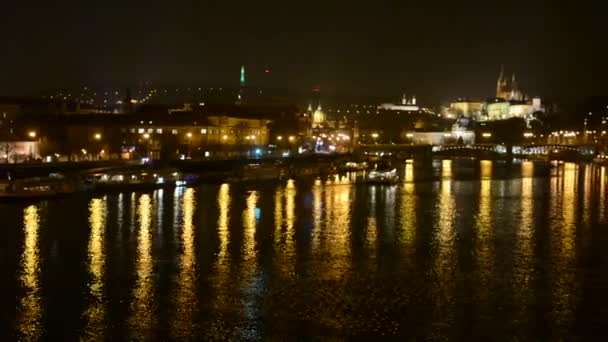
x: 6, y: 151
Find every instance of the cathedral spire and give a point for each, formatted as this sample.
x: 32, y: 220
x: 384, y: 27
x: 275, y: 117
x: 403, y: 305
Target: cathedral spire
x: 501, y: 76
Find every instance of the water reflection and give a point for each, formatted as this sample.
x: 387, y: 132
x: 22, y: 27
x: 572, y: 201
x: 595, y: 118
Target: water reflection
x: 223, y: 201
x: 409, y: 201
x: 445, y: 260
x: 284, y: 234
x: 185, y: 296
x: 524, y: 267
x: 317, y: 213
x: 336, y: 228
x: 249, y: 225
x: 563, y: 211
x: 602, y: 199
x: 143, y: 305
x: 95, y: 314
x: 30, y: 306
x: 484, y: 222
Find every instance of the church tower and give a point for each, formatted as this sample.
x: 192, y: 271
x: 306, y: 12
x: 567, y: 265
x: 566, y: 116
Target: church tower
x: 502, y: 85
x: 240, y: 96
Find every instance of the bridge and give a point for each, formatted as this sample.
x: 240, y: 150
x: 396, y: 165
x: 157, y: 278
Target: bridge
x: 480, y: 150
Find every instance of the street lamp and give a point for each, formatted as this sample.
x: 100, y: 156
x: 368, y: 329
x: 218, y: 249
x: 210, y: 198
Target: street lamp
x: 32, y: 134
x: 97, y: 136
x: 291, y: 138
x: 486, y: 135
x: 375, y: 136
x: 189, y: 135
x: 279, y: 138
x: 146, y: 136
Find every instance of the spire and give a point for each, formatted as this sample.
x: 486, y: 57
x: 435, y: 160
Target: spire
x: 414, y: 100
x: 242, y: 75
x: 502, y: 72
x: 513, y: 78
x: 309, y: 107
x: 404, y: 99
x: 319, y: 107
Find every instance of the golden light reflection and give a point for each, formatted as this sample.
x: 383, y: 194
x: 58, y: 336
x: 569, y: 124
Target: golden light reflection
x: 408, y: 214
x: 222, y: 266
x: 602, y: 199
x: 527, y: 169
x: 317, y: 204
x: 30, y: 306
x: 524, y: 239
x: 486, y: 169
x: 336, y: 228
x: 142, y: 307
x: 96, y: 312
x: 284, y: 234
x: 568, y: 205
x: 588, y: 191
x: 223, y: 201
x: 564, y: 198
x: 445, y: 261
x: 290, y: 214
x: 249, y: 225
x: 446, y: 169
x: 484, y: 220
x: 185, y: 297
x: 371, y: 231
x: 409, y: 171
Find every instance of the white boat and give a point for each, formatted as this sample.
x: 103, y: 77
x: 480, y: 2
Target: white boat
x: 137, y: 180
x: 383, y: 176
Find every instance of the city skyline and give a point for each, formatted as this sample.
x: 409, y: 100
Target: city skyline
x: 439, y: 53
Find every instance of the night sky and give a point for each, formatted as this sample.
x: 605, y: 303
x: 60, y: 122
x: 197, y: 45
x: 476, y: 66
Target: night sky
x: 377, y: 48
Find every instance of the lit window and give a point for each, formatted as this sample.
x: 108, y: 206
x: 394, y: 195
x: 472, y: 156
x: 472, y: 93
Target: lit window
x: 174, y: 131
x: 204, y: 131
x: 141, y: 131
x: 132, y: 130
x: 159, y: 130
x: 150, y: 130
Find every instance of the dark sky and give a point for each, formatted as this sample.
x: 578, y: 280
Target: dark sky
x: 377, y: 47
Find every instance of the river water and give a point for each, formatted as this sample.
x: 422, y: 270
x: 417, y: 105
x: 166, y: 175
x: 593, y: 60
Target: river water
x: 458, y: 250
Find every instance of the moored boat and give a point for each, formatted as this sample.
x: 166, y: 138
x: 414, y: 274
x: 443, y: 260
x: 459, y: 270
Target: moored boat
x: 383, y: 174
x: 39, y: 187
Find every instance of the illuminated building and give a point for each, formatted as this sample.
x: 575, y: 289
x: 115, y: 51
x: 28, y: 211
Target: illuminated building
x: 498, y: 109
x: 406, y: 105
x: 467, y: 109
x: 318, y: 117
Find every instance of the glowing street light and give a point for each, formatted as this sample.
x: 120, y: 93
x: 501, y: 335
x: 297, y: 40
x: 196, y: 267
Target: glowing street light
x: 189, y: 135
x: 279, y: 138
x: 97, y: 136
x: 375, y: 135
x: 146, y: 136
x: 32, y: 134
x: 486, y: 135
x: 292, y: 138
